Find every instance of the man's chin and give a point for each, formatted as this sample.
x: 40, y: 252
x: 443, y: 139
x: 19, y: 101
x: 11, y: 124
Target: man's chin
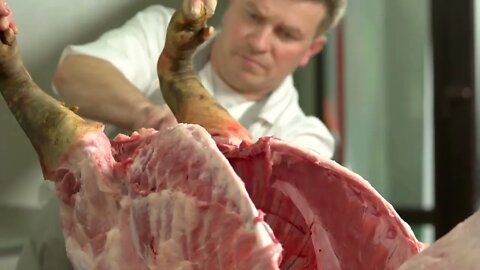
x: 246, y: 80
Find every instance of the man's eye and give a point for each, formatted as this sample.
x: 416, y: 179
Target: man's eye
x: 253, y: 17
x: 286, y: 35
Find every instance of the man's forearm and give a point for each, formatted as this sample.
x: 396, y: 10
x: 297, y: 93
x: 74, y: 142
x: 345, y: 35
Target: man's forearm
x: 101, y: 92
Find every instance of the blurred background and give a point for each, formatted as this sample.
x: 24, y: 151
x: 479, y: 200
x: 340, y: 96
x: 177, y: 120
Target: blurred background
x: 396, y: 84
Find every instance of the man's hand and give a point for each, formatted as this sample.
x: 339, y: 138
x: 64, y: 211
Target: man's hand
x: 156, y: 116
x: 6, y: 18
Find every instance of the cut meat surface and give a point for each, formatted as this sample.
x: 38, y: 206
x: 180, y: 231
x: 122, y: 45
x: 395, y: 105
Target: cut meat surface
x: 458, y: 249
x: 171, y: 200
x: 325, y: 216
x: 159, y: 200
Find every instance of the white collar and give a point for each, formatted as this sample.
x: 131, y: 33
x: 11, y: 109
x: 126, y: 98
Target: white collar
x: 279, y: 101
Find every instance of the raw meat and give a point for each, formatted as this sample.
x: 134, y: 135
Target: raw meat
x: 170, y: 200
x: 159, y: 200
x: 325, y: 216
x: 458, y: 249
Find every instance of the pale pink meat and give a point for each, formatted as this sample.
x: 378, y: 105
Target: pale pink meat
x: 174, y: 199
x: 459, y: 249
x: 159, y: 200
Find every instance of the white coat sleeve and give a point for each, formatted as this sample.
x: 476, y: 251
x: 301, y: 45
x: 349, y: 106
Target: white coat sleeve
x: 133, y: 48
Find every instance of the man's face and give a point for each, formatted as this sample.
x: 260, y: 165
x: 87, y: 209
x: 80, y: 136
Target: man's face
x: 262, y: 41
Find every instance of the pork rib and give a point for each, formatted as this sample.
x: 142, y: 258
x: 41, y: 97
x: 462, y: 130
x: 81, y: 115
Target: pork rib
x: 159, y: 200
x: 325, y: 216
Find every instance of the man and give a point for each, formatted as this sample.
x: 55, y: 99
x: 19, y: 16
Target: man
x: 247, y: 67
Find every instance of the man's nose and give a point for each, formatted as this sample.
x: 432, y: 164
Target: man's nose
x: 259, y: 40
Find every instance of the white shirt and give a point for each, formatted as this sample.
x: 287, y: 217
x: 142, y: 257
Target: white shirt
x: 134, y: 49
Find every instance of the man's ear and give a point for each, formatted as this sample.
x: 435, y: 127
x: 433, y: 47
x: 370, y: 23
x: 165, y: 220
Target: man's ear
x: 317, y: 46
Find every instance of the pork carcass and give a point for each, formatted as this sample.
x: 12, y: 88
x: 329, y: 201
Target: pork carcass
x: 325, y: 216
x: 178, y: 199
x: 170, y: 199
x: 159, y: 200
x: 458, y: 249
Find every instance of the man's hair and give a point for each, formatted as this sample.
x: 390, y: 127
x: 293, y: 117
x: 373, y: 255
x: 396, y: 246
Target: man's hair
x: 335, y: 10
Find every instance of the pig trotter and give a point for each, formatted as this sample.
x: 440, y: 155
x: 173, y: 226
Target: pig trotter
x: 185, y: 95
x: 51, y: 127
